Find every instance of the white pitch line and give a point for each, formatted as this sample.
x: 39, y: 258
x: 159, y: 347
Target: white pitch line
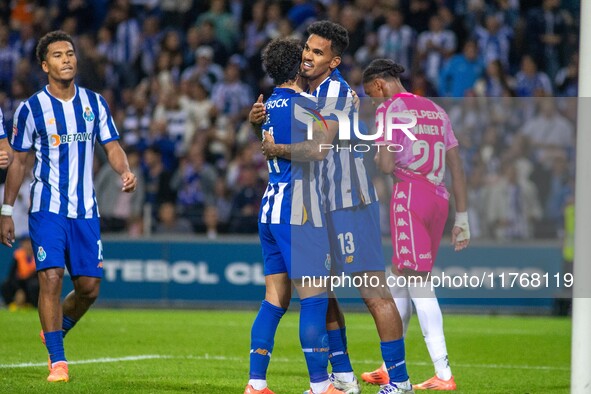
x: 276, y: 359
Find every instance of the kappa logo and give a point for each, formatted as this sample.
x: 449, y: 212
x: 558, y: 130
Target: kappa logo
x: 88, y: 115
x: 403, y: 237
x: 404, y: 250
x: 41, y: 254
x: 407, y: 263
x: 400, y: 208
x: 401, y: 222
x: 401, y: 195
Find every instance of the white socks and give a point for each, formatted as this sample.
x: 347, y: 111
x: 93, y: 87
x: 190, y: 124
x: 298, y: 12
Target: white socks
x: 431, y: 321
x: 258, y: 384
x: 346, y: 377
x: 403, y: 304
x: 318, y: 388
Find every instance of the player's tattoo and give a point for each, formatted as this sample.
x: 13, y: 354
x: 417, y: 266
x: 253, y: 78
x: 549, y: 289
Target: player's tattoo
x: 302, y: 151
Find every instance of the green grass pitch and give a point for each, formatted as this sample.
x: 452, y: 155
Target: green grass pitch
x: 167, y: 351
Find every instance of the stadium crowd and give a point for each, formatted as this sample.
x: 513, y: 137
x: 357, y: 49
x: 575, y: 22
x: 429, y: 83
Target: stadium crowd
x: 181, y: 76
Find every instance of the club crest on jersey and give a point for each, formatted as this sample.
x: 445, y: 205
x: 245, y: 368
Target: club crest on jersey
x: 41, y: 255
x: 88, y: 115
x: 327, y: 262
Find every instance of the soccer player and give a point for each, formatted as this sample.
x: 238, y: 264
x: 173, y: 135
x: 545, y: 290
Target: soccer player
x: 292, y: 231
x: 61, y: 123
x: 419, y: 204
x: 352, y: 213
x: 5, y: 150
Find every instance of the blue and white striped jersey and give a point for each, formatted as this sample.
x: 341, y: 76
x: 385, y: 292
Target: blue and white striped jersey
x: 63, y: 134
x: 293, y: 195
x: 2, y: 131
x: 346, y: 181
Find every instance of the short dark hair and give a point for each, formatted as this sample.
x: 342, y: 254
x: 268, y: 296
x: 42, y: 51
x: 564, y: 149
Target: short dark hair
x: 335, y: 33
x: 282, y: 58
x: 382, y: 68
x: 50, y: 38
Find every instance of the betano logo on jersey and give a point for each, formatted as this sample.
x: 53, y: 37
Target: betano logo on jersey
x: 57, y: 140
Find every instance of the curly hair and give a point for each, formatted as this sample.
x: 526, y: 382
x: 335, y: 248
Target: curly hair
x: 281, y: 59
x: 335, y: 33
x: 48, y: 39
x: 382, y: 68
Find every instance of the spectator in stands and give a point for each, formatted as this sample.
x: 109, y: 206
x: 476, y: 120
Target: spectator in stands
x: 179, y: 126
x: 494, y: 40
x: 546, y: 27
x: 246, y: 204
x: 530, y: 82
x: 208, y: 72
x: 478, y: 200
x: 460, y: 72
x: 232, y: 97
x: 370, y: 50
x: 495, y: 83
x: 551, y: 134
x: 8, y: 59
x: 396, y: 40
x: 157, y: 179
x: 120, y: 211
x: 137, y: 119
x: 513, y: 206
x: 195, y: 101
x: 567, y: 78
x: 194, y: 182
x: 223, y: 24
x: 434, y: 47
x: 170, y: 223
x: 561, y: 190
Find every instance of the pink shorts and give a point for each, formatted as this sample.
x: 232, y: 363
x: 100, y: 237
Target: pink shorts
x: 417, y: 220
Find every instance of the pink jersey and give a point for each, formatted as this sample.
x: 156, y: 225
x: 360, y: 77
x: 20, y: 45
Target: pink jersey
x: 424, y: 159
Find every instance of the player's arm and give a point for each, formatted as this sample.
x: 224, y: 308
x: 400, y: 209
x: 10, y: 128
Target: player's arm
x: 460, y: 237
x: 5, y: 153
x: 385, y: 160
x: 14, y: 179
x: 118, y: 161
x: 256, y: 116
x: 311, y: 150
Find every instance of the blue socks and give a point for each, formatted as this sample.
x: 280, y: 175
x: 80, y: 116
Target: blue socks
x: 393, y: 354
x: 54, y: 341
x: 313, y: 336
x: 67, y: 324
x: 262, y: 338
x: 338, y: 356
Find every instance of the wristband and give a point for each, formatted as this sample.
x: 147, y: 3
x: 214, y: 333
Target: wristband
x: 6, y: 210
x: 461, y: 217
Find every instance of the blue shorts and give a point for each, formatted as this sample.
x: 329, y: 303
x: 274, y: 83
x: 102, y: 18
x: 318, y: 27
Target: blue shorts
x: 59, y: 241
x: 298, y: 250
x: 356, y: 239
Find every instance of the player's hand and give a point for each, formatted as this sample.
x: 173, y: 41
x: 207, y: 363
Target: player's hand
x: 268, y: 145
x: 4, y: 159
x: 257, y: 114
x: 7, y: 230
x: 129, y: 182
x: 460, y: 234
x: 356, y: 99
